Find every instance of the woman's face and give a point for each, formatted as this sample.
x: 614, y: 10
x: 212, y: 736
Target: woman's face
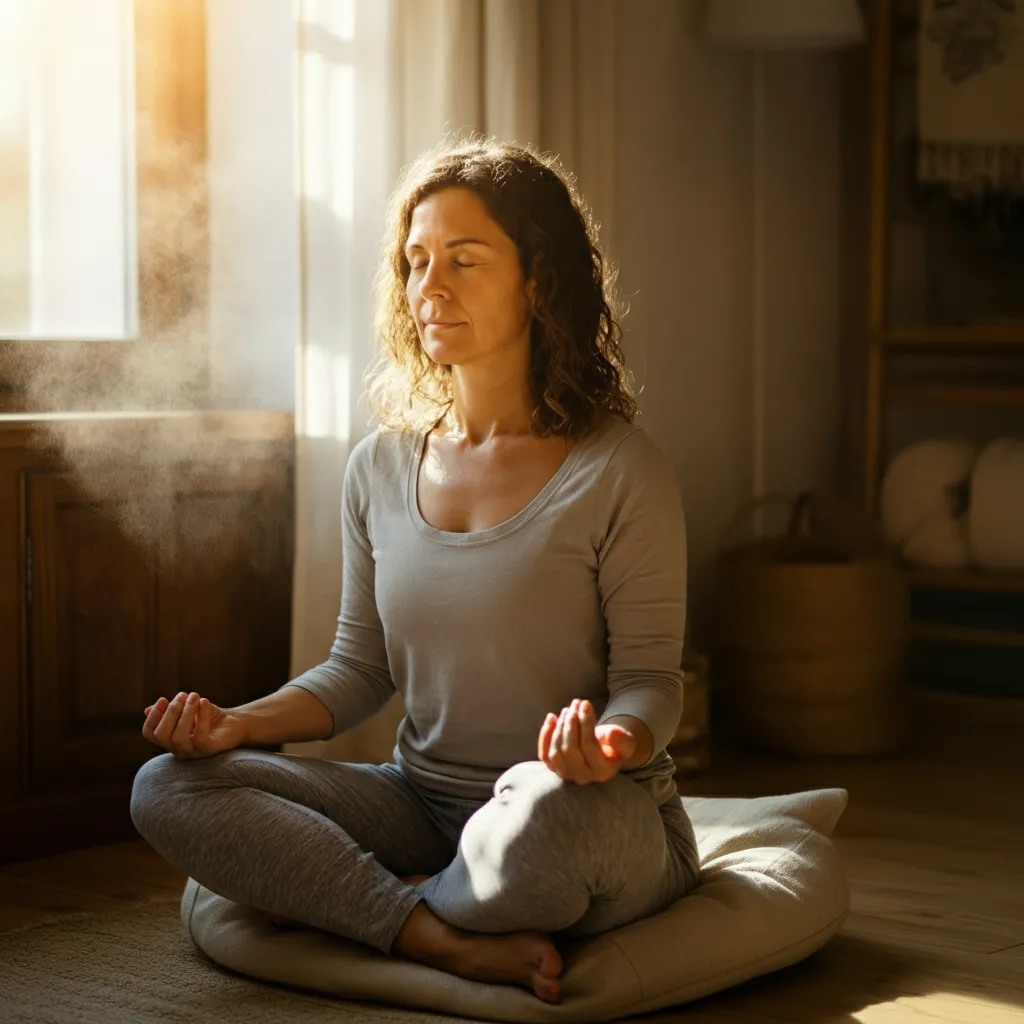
x: 466, y: 290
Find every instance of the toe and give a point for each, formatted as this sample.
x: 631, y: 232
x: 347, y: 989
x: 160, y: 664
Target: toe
x: 546, y: 988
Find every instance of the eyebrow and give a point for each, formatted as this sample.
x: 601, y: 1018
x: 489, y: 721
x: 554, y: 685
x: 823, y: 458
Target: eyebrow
x: 454, y: 242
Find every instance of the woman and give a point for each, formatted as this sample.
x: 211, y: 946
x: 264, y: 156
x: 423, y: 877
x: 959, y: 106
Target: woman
x: 514, y: 565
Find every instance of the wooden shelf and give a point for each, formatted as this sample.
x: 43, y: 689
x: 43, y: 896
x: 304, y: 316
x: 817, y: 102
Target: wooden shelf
x: 967, y: 622
x: 992, y: 335
x: 964, y: 579
x: 967, y: 393
x: 942, y: 633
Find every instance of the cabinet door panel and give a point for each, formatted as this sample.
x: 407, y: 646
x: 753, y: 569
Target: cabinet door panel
x: 94, y: 634
x: 231, y: 574
x: 105, y: 605
x: 116, y: 620
x: 13, y: 639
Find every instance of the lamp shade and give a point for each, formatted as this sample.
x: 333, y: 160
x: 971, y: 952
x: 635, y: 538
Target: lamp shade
x: 785, y: 24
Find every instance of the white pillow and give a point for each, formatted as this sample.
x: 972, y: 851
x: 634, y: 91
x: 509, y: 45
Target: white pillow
x: 773, y: 891
x: 920, y: 517
x: 997, y: 506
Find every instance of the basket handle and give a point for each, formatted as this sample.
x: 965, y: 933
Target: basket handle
x: 745, y: 511
x: 799, y: 516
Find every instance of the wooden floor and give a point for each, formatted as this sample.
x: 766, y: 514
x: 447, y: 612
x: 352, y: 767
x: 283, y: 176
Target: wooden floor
x: 933, y: 842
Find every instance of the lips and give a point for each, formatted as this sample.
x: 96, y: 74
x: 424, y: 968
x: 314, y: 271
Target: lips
x: 438, y: 321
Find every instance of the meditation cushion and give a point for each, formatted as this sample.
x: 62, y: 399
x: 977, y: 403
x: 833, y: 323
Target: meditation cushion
x: 920, y: 513
x: 772, y: 891
x: 997, y: 506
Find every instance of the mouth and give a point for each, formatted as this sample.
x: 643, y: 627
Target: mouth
x: 442, y: 323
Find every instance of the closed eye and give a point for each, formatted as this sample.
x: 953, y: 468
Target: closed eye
x: 457, y: 263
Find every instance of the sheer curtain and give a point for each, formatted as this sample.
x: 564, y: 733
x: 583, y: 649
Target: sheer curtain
x: 378, y: 82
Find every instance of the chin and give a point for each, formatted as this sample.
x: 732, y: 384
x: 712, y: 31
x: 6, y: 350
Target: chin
x: 445, y: 355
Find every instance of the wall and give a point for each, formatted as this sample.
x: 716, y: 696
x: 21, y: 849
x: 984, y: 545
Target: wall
x: 684, y: 242
x: 254, y: 215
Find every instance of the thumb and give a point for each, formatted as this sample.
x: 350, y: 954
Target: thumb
x: 205, y: 713
x: 616, y: 743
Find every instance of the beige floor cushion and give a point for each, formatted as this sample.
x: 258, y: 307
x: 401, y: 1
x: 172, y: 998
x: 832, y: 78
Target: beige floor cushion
x: 773, y: 891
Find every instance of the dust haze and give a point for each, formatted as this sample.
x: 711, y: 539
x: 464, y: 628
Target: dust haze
x: 185, y: 486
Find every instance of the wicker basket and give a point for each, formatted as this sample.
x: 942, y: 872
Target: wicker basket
x: 813, y: 629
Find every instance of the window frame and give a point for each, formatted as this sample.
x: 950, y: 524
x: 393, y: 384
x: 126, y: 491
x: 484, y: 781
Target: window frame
x: 171, y: 97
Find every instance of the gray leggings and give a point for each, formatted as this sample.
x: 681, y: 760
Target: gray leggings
x: 323, y: 842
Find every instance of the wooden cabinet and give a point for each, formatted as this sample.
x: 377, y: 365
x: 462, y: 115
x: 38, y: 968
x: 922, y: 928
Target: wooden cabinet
x: 123, y: 579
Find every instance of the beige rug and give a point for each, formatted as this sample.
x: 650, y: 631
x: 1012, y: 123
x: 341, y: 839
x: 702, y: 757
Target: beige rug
x: 138, y: 966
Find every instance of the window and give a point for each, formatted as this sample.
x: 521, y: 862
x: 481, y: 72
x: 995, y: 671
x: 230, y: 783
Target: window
x: 67, y: 129
x: 103, y: 201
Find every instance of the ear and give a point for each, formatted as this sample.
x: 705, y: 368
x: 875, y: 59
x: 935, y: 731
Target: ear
x: 530, y: 287
x: 530, y: 290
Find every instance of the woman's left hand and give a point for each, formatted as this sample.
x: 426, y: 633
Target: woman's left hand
x: 579, y: 750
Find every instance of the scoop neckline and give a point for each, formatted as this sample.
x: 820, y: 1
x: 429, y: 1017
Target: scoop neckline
x: 524, y: 515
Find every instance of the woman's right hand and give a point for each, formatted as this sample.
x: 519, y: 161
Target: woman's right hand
x: 192, y: 728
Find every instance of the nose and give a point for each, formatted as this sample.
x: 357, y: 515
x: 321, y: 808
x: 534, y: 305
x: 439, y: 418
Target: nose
x: 434, y: 282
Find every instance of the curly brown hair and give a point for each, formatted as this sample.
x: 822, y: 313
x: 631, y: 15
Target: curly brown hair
x: 577, y: 369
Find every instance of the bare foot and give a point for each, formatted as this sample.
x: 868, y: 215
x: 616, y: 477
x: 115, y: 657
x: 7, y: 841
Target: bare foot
x: 529, y: 959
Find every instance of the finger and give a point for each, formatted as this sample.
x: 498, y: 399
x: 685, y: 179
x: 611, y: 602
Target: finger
x: 153, y: 715
x: 571, y: 729
x: 158, y: 705
x: 544, y: 739
x: 169, y: 722
x: 555, y: 749
x: 163, y: 717
x: 556, y: 759
x: 574, y: 761
x: 201, y: 723
x: 182, y: 735
x: 589, y: 747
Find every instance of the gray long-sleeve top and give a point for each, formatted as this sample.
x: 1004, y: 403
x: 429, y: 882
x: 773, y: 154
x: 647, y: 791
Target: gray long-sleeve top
x: 580, y: 594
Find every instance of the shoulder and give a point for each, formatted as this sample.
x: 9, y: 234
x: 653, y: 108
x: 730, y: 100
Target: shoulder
x: 381, y: 450
x: 361, y: 458
x: 365, y: 449
x: 379, y: 459
x: 629, y: 458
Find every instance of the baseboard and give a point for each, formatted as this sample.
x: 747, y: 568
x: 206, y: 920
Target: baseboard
x: 935, y: 715
x: 48, y: 824
x: 994, y: 716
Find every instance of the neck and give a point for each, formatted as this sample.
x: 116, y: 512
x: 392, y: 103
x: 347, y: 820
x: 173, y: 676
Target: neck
x: 488, y: 404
